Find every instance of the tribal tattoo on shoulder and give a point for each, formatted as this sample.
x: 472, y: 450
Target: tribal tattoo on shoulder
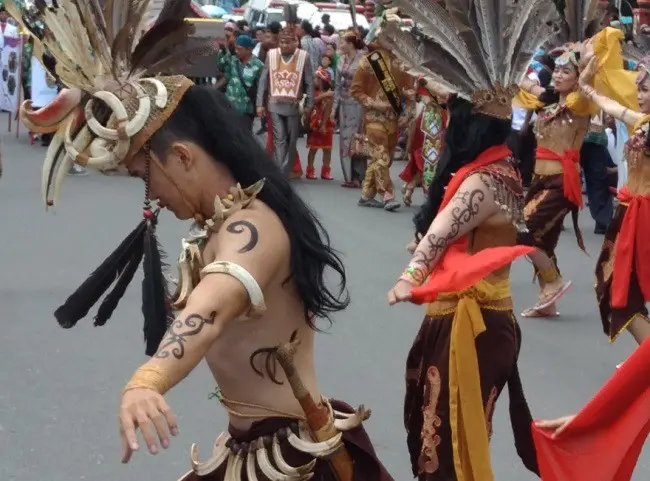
x: 422, y: 260
x: 242, y: 226
x: 181, y: 330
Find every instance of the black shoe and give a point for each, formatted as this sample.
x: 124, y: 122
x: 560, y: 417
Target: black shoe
x: 600, y: 229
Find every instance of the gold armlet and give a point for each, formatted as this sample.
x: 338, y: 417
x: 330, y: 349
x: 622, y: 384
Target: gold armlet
x: 149, y: 376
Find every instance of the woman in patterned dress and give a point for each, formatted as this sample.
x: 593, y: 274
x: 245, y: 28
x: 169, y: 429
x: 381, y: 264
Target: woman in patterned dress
x: 349, y: 110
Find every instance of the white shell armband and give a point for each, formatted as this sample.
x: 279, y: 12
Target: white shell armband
x: 255, y: 294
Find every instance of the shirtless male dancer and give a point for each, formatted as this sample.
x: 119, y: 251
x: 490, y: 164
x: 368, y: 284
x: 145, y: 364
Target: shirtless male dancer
x: 252, y: 270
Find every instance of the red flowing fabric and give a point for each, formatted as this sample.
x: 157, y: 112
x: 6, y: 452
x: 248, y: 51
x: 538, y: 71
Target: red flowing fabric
x: 457, y: 269
x: 605, y: 439
x: 571, y: 176
x: 632, y: 245
x: 415, y: 162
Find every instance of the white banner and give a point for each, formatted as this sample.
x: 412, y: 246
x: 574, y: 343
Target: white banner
x: 43, y: 85
x: 10, y: 80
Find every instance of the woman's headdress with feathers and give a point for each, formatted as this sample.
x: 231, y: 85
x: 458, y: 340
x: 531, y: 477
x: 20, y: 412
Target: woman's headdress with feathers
x: 478, y: 49
x: 114, y: 103
x: 582, y: 19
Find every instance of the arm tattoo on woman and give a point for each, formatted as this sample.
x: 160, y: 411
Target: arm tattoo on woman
x: 422, y: 261
x: 239, y: 227
x: 173, y: 344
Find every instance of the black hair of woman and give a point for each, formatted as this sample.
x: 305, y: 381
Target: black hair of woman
x: 467, y: 136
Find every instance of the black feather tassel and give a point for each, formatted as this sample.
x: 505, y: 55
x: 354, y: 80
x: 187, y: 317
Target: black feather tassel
x: 155, y: 305
x: 109, y: 304
x: 86, y: 296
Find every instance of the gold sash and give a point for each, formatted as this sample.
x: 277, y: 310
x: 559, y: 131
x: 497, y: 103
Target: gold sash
x: 467, y: 417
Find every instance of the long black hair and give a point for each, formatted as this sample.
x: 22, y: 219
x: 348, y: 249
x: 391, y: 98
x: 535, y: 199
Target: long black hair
x: 468, y: 135
x: 205, y: 117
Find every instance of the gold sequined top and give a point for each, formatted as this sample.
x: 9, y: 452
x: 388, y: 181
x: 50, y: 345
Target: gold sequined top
x: 559, y: 128
x: 638, y: 163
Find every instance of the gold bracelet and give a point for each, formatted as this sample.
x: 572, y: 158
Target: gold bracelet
x: 149, y: 376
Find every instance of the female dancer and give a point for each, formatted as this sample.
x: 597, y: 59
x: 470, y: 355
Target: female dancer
x: 467, y: 348
x: 562, y: 123
x: 623, y: 269
x: 349, y: 110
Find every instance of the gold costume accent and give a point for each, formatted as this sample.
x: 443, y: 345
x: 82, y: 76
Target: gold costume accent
x: 467, y: 417
x: 495, y: 102
x: 429, y: 461
x: 149, y: 376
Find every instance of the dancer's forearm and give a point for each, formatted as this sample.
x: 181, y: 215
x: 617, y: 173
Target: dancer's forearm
x: 611, y: 107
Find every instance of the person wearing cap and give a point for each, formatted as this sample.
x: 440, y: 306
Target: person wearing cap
x: 242, y: 71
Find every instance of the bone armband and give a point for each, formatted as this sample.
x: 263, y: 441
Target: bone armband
x: 149, y: 376
x: 253, y: 289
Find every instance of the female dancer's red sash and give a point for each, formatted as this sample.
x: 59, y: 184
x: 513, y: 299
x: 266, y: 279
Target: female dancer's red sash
x: 570, y: 175
x: 632, y: 248
x: 605, y: 439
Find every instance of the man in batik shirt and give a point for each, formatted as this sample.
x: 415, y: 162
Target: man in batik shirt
x: 242, y: 71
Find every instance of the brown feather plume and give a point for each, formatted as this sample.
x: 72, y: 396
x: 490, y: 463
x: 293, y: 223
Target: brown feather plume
x: 470, y: 45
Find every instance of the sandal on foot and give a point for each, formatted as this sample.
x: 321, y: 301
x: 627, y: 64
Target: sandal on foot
x: 554, y: 297
x: 536, y: 313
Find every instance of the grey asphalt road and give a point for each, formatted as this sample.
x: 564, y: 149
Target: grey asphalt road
x: 59, y: 389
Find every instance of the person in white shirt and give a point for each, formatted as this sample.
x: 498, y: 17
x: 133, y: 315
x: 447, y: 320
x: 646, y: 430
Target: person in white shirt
x: 522, y: 140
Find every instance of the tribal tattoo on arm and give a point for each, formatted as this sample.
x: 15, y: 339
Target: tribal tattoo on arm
x: 466, y: 210
x: 180, y: 332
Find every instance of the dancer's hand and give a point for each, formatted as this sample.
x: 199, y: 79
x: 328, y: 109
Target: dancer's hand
x: 587, y: 74
x: 261, y: 111
x: 400, y: 293
x: 555, y: 425
x: 411, y: 246
x: 139, y: 410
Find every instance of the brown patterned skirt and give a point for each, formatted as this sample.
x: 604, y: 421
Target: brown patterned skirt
x: 616, y: 320
x: 426, y: 406
x: 366, y: 465
x: 544, y: 213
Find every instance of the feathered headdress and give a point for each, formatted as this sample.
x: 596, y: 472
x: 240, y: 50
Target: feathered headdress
x: 113, y: 105
x: 291, y: 21
x: 582, y: 19
x: 477, y: 49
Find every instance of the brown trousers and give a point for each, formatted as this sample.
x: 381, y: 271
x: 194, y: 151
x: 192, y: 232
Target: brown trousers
x: 381, y: 141
x: 426, y: 405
